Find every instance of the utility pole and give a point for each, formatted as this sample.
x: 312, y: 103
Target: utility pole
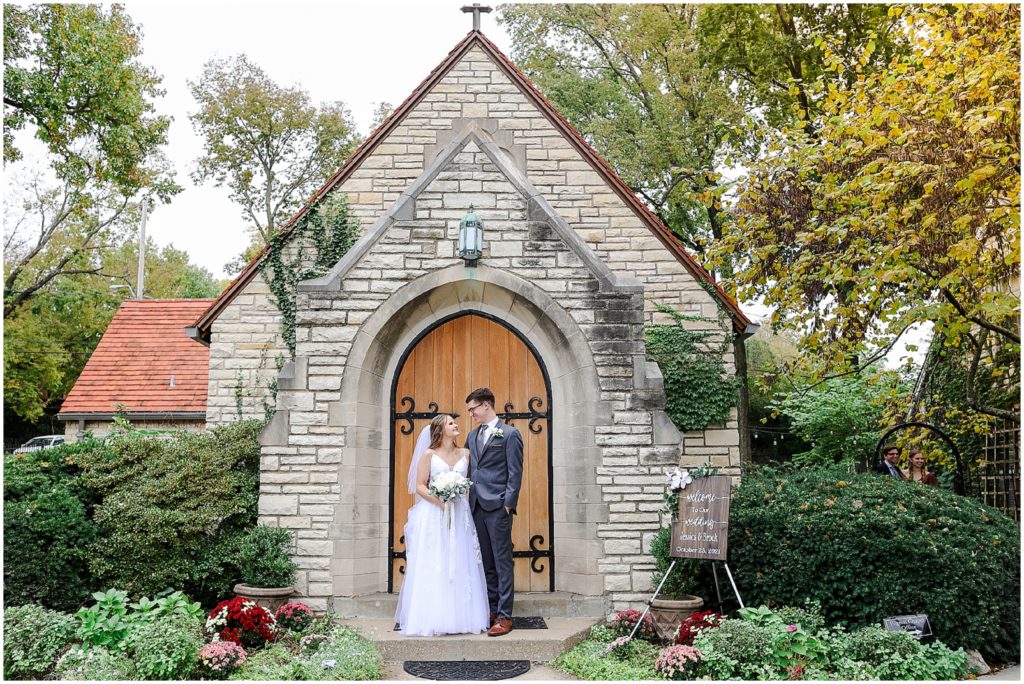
x: 141, y: 282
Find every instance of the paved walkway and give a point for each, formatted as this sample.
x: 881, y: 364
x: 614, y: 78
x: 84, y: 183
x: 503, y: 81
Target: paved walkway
x: 1009, y: 674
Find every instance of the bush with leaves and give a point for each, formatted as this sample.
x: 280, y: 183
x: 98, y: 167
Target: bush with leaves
x: 170, y: 507
x: 684, y: 578
x: 166, y: 647
x: 354, y: 657
x: 47, y: 528
x: 866, y: 547
x: 841, y: 417
x: 34, y: 639
x: 94, y: 664
x: 762, y: 645
x: 263, y: 557
x: 591, y: 659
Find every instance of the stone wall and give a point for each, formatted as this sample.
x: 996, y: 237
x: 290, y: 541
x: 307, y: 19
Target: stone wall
x: 101, y: 428
x: 246, y: 351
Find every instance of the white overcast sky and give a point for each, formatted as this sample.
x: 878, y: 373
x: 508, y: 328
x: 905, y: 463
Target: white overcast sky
x: 361, y: 53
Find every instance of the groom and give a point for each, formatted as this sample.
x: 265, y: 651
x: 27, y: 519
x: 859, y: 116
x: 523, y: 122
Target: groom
x: 496, y: 468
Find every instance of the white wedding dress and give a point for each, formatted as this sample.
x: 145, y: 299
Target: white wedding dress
x: 444, y: 591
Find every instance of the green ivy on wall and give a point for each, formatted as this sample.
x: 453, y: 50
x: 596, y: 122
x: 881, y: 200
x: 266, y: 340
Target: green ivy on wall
x: 698, y: 389
x: 321, y: 238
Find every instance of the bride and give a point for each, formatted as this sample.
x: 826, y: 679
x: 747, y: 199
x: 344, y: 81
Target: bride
x: 444, y: 590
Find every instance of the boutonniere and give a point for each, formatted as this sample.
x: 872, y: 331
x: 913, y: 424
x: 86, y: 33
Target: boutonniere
x: 499, y: 433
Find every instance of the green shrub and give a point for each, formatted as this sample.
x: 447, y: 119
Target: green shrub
x: 355, y: 657
x: 737, y: 649
x: 106, y: 623
x: 93, y: 664
x: 47, y: 528
x: 171, y: 506
x: 263, y: 557
x: 897, y: 655
x: 590, y: 659
x: 166, y: 647
x: 683, y: 579
x: 867, y: 547
x: 34, y: 639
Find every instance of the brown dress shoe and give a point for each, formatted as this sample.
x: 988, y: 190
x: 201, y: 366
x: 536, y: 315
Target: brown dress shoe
x: 502, y: 627
x: 491, y: 620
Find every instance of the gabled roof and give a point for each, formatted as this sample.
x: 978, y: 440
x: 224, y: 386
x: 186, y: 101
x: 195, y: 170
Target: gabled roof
x: 143, y: 348
x: 476, y: 39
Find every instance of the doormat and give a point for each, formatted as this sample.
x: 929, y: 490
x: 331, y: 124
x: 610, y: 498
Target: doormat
x: 467, y: 670
x: 528, y: 622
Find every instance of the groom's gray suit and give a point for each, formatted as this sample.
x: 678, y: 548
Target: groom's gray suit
x: 497, y: 474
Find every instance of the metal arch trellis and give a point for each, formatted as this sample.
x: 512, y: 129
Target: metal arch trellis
x: 959, y: 477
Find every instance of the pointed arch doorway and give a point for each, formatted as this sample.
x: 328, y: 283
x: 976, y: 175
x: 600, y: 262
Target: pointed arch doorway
x: 434, y: 375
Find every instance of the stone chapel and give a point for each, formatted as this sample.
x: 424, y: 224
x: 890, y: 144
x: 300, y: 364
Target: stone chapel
x: 551, y: 318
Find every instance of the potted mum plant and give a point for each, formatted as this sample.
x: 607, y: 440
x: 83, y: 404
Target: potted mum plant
x: 265, y: 566
x: 675, y: 601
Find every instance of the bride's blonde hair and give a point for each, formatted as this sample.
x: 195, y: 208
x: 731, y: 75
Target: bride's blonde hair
x: 437, y: 424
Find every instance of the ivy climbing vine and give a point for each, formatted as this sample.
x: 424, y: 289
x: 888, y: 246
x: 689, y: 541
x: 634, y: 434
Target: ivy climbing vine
x: 320, y: 238
x: 699, y: 391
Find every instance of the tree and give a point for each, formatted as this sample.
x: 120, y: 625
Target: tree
x: 903, y: 206
x: 72, y: 78
x: 268, y: 144
x: 842, y: 417
x: 630, y: 79
x: 773, y: 56
x: 71, y: 72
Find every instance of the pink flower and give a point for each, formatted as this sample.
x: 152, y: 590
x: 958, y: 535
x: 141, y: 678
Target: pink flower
x: 792, y: 628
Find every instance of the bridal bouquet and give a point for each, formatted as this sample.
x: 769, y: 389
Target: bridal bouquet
x: 449, y: 486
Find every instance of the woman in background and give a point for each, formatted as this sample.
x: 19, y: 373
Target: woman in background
x: 918, y: 471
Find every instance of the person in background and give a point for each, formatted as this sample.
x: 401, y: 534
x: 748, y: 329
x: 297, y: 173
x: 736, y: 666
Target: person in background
x: 918, y: 471
x: 891, y: 453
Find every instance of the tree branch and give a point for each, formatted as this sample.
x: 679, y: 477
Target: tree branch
x: 972, y: 372
x: 988, y: 325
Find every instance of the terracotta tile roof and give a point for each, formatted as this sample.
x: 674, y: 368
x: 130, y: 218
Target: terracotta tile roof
x: 671, y: 242
x: 142, y: 348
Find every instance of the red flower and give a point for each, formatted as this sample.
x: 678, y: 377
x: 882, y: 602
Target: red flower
x: 242, y: 621
x: 692, y: 626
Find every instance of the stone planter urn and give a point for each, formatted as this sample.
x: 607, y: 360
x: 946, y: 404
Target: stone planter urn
x: 270, y: 598
x: 669, y: 613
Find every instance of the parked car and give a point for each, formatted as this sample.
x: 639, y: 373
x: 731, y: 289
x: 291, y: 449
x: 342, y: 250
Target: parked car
x: 38, y: 443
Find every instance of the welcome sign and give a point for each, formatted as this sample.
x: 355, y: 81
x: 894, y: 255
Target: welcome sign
x: 703, y: 527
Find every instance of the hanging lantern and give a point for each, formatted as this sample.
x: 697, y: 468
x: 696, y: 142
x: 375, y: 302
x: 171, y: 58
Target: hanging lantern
x: 471, y: 238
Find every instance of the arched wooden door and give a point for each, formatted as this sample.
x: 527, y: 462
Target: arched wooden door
x: 439, y: 369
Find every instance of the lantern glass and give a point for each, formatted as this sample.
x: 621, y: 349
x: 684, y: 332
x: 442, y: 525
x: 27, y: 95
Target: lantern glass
x: 471, y: 237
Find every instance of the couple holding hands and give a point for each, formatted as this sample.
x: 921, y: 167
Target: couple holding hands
x: 459, y: 568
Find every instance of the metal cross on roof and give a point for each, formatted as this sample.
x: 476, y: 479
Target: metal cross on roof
x: 476, y: 8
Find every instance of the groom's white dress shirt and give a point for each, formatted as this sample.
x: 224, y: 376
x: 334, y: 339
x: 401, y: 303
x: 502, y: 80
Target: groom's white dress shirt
x: 485, y: 431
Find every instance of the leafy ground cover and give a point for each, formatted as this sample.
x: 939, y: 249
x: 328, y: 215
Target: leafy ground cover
x: 762, y: 644
x: 171, y: 638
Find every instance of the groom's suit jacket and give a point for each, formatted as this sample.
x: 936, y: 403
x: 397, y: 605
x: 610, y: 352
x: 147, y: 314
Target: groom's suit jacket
x: 497, y: 469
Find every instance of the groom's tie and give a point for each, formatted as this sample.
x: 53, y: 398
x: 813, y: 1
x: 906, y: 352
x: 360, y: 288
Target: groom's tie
x: 481, y: 438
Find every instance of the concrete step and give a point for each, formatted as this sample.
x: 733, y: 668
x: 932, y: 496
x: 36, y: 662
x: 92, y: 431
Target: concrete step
x: 535, y: 645
x: 557, y: 604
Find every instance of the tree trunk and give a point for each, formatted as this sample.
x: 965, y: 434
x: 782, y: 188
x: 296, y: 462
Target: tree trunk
x: 743, y: 400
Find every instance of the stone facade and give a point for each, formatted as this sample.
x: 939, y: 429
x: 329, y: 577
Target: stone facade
x: 101, y: 428
x: 566, y: 262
